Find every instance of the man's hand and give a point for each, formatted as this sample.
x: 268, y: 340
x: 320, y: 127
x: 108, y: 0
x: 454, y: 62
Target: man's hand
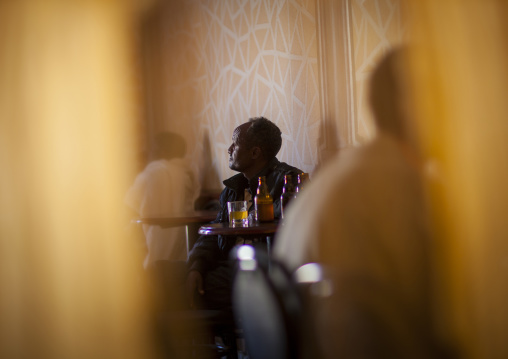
x: 194, y: 283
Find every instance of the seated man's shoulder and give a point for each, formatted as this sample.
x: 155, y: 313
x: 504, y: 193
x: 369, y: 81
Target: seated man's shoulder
x: 285, y: 168
x: 226, y: 194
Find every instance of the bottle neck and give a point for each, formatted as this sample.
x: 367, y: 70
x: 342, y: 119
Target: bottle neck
x: 262, y: 187
x: 288, y: 188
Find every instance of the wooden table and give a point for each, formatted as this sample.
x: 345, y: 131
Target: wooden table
x: 186, y: 220
x: 265, y: 229
x: 190, y: 218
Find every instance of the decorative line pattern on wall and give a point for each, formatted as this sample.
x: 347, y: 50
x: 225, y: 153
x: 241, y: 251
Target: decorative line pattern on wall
x: 238, y: 59
x: 353, y: 35
x: 217, y: 63
x: 377, y: 26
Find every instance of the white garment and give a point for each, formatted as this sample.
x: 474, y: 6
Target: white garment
x: 165, y: 188
x: 363, y: 217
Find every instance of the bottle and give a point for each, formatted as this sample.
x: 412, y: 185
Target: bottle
x: 263, y: 202
x: 302, y: 178
x: 288, y: 193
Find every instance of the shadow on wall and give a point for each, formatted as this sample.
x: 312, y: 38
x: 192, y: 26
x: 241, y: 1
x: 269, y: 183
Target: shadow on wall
x: 211, y: 183
x: 328, y: 142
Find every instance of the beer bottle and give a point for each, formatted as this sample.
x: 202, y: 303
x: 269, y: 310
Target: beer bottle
x: 263, y: 202
x: 302, y: 178
x: 288, y: 192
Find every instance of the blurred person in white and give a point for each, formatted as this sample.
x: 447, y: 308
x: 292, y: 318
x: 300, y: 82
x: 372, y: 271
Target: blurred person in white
x: 167, y: 187
x: 364, y: 219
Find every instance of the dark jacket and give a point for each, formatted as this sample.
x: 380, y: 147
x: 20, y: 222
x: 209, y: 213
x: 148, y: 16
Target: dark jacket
x: 210, y: 250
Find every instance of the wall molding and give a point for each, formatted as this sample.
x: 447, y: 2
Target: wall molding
x: 337, y: 73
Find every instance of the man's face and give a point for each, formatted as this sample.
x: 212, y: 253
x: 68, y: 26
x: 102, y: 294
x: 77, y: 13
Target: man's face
x: 240, y: 156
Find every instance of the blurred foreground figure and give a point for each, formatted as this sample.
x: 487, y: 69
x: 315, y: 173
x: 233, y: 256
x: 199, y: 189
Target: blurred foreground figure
x: 363, y: 218
x: 167, y: 187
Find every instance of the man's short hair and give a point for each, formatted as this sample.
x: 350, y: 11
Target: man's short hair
x: 385, y: 93
x: 170, y: 145
x: 264, y: 134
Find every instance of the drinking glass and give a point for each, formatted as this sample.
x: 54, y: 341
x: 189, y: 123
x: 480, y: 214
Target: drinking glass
x: 238, y: 213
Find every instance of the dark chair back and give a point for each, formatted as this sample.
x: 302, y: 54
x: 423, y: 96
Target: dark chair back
x: 267, y: 305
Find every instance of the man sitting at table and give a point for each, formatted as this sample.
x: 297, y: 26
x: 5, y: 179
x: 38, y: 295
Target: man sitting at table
x: 167, y: 187
x: 252, y: 153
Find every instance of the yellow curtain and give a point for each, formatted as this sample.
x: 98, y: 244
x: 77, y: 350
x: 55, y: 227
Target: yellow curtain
x: 460, y: 73
x: 68, y: 282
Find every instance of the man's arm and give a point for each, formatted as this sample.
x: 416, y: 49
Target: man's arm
x: 194, y: 285
x: 206, y: 252
x: 204, y: 255
x: 202, y: 258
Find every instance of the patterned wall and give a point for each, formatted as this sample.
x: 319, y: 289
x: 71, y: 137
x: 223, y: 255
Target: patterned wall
x: 213, y: 64
x: 226, y: 61
x: 352, y: 36
x: 376, y: 26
